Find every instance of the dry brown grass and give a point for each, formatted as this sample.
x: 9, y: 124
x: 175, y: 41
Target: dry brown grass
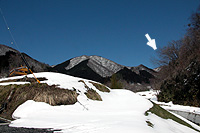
x: 92, y: 94
x: 31, y: 80
x: 100, y: 87
x: 37, y: 92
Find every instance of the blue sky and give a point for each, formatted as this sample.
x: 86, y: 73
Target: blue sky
x: 53, y: 31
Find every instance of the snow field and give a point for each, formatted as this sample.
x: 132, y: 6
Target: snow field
x: 120, y: 111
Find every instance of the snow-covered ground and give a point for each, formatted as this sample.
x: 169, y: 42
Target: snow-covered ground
x: 168, y: 106
x: 120, y: 111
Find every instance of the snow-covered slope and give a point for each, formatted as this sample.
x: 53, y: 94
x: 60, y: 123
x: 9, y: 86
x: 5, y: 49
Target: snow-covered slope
x: 119, y: 111
x: 108, y: 67
x: 100, y: 65
x: 152, y: 95
x: 76, y: 61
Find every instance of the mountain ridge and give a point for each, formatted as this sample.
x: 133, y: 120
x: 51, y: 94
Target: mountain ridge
x: 109, y: 67
x: 101, y: 69
x: 92, y: 67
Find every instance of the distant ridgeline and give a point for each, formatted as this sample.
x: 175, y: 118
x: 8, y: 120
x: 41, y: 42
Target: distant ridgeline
x: 89, y: 67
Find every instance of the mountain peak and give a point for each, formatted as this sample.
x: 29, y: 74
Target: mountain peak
x: 98, y: 64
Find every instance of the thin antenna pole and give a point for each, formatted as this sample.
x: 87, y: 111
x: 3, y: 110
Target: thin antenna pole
x: 23, y: 58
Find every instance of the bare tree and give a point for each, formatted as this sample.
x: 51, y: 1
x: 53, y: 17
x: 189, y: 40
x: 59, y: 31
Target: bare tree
x: 169, y: 53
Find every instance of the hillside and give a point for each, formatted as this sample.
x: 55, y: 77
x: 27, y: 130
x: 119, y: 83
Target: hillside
x: 11, y: 58
x: 23, y: 89
x: 110, y: 114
